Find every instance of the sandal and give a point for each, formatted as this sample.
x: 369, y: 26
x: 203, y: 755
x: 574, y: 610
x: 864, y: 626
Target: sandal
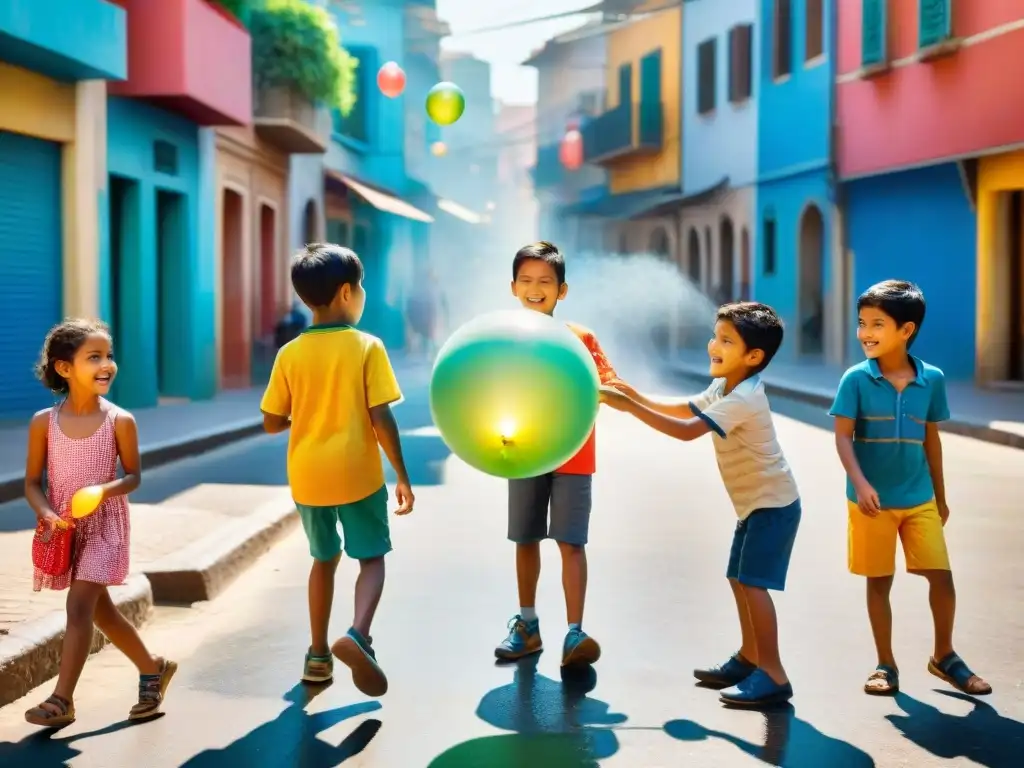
x: 954, y: 671
x: 884, y: 681
x: 55, y: 712
x: 151, y: 692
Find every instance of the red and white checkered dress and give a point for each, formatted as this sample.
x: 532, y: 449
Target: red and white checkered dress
x: 102, y: 541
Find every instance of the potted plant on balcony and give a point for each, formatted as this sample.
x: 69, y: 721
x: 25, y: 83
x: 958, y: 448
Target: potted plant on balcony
x: 298, y: 63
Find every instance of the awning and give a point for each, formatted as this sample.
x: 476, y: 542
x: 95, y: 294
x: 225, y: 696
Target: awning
x: 621, y: 206
x: 668, y: 204
x: 459, y: 211
x: 380, y: 200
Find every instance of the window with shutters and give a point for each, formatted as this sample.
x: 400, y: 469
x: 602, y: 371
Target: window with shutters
x: 874, y: 34
x: 706, y: 81
x: 356, y: 124
x: 814, y: 30
x: 782, y: 40
x: 934, y: 22
x: 741, y: 38
x: 768, y: 238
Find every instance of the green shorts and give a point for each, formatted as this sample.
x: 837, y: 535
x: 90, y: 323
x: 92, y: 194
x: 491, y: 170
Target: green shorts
x: 364, y: 525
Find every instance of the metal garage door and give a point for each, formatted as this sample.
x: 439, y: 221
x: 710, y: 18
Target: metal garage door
x: 30, y: 265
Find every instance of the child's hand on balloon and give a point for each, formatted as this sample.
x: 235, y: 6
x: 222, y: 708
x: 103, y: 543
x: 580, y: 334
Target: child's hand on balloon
x: 405, y: 497
x: 623, y: 387
x: 613, y: 398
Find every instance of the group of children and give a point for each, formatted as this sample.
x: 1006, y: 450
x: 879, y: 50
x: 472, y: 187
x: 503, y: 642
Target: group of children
x: 332, y: 388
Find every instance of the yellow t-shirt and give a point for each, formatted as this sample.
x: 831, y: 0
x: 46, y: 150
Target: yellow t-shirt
x: 327, y: 380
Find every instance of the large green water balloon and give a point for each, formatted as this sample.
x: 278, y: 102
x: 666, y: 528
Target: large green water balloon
x: 514, y: 393
x: 445, y: 103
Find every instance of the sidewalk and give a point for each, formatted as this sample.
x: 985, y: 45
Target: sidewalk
x: 990, y: 415
x: 166, y: 433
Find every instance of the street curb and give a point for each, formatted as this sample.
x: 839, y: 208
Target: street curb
x: 30, y: 654
x: 13, y: 487
x: 203, y: 569
x: 984, y: 432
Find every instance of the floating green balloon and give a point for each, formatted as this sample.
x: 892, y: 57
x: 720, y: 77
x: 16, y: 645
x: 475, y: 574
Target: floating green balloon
x: 514, y: 393
x: 445, y: 103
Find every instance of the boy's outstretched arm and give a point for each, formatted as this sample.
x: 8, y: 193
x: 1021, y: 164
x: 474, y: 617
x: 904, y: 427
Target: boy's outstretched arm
x: 680, y: 429
x: 676, y: 407
x: 386, y: 429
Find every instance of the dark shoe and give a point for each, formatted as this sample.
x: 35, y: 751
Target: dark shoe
x: 355, y: 652
x: 523, y: 639
x: 733, y: 671
x: 580, y: 649
x: 757, y: 690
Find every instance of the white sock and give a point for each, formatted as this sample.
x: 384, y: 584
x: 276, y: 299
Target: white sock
x: 528, y: 614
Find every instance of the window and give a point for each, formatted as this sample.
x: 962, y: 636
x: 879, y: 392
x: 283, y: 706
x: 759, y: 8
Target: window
x: 706, y: 53
x: 874, y: 34
x: 782, y: 34
x: 768, y: 235
x: 356, y: 124
x: 814, y: 31
x: 934, y: 22
x: 740, y: 73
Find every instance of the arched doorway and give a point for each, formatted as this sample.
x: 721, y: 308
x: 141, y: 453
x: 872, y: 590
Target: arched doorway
x: 623, y: 244
x: 726, y: 260
x: 810, y: 299
x: 693, y: 257
x: 659, y: 243
x: 708, y: 268
x: 235, y: 328
x: 310, y: 223
x: 267, y: 313
x: 744, y: 264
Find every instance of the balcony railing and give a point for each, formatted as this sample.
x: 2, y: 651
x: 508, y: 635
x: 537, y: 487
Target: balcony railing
x: 291, y: 122
x: 610, y: 136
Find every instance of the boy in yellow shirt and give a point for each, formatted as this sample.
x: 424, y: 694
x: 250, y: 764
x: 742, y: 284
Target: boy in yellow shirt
x: 333, y: 387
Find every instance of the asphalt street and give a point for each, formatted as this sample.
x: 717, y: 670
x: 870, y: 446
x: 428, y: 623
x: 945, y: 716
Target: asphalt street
x: 658, y: 603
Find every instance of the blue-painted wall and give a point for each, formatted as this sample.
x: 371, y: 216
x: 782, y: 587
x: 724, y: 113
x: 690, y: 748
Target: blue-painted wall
x: 179, y: 313
x: 918, y: 225
x: 724, y: 143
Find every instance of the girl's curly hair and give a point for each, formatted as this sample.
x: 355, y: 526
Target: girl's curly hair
x: 61, y: 343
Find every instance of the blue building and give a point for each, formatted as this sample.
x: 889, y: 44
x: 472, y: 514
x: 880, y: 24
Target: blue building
x: 795, y: 191
x: 371, y: 202
x: 719, y: 158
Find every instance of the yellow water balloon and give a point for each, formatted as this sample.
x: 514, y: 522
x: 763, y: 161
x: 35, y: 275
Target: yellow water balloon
x: 86, y: 501
x: 445, y: 103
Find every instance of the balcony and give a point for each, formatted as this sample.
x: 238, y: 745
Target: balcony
x: 548, y: 171
x: 190, y: 57
x: 67, y: 40
x: 609, y: 137
x: 291, y: 122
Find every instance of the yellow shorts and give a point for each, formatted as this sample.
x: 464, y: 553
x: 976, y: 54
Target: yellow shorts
x: 872, y: 540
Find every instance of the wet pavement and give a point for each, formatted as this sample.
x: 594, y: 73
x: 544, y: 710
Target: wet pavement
x: 658, y: 603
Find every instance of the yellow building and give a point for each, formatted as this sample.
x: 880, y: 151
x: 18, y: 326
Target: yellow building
x: 637, y: 137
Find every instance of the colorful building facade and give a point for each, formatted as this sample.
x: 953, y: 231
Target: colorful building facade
x: 795, y: 269
x: 944, y: 205
x: 52, y: 173
x: 719, y: 145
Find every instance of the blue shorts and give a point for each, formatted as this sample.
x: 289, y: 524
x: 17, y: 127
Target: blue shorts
x: 762, y: 546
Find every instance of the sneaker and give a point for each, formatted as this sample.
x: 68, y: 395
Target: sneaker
x: 523, y: 639
x: 726, y: 675
x: 318, y: 669
x: 579, y: 649
x: 356, y: 653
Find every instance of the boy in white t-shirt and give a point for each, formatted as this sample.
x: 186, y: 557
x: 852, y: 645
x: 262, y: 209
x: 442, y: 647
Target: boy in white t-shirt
x: 759, y: 482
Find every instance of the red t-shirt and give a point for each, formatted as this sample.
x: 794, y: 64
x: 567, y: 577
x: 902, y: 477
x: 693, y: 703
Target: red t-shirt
x: 585, y: 462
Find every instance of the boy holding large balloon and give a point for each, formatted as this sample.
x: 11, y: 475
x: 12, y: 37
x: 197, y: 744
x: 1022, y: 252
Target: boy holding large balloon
x: 333, y: 387
x: 538, y: 281
x: 734, y: 409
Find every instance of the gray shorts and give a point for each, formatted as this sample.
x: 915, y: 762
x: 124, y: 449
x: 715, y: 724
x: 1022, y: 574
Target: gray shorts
x: 569, y: 499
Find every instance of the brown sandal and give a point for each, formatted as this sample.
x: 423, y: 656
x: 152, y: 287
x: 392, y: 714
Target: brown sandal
x: 55, y: 712
x: 151, y: 692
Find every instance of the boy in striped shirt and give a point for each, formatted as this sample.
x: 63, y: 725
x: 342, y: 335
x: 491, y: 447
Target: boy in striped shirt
x: 759, y: 482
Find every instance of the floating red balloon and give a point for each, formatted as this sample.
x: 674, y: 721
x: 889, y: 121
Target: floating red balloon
x: 391, y: 80
x: 570, y: 153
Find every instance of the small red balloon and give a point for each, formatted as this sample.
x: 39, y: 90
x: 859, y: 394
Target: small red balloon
x: 391, y: 80
x: 571, y: 150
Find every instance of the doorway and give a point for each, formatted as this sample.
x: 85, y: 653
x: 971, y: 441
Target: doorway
x: 726, y: 261
x: 123, y: 232
x: 265, y: 311
x: 693, y: 257
x: 235, y: 359
x: 1015, y: 284
x: 310, y: 230
x: 744, y: 264
x: 810, y: 299
x: 171, y: 292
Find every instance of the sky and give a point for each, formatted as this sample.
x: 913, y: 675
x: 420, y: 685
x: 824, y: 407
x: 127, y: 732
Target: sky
x: 510, y: 82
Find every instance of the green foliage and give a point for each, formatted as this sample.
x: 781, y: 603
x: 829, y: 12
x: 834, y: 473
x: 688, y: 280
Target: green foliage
x: 296, y: 45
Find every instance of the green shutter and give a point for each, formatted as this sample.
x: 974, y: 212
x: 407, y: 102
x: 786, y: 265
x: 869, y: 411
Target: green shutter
x: 873, y: 33
x: 934, y: 22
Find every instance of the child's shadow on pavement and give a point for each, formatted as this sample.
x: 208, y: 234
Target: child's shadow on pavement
x: 789, y: 742
x: 292, y: 737
x: 46, y: 748
x: 553, y: 724
x: 983, y: 736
